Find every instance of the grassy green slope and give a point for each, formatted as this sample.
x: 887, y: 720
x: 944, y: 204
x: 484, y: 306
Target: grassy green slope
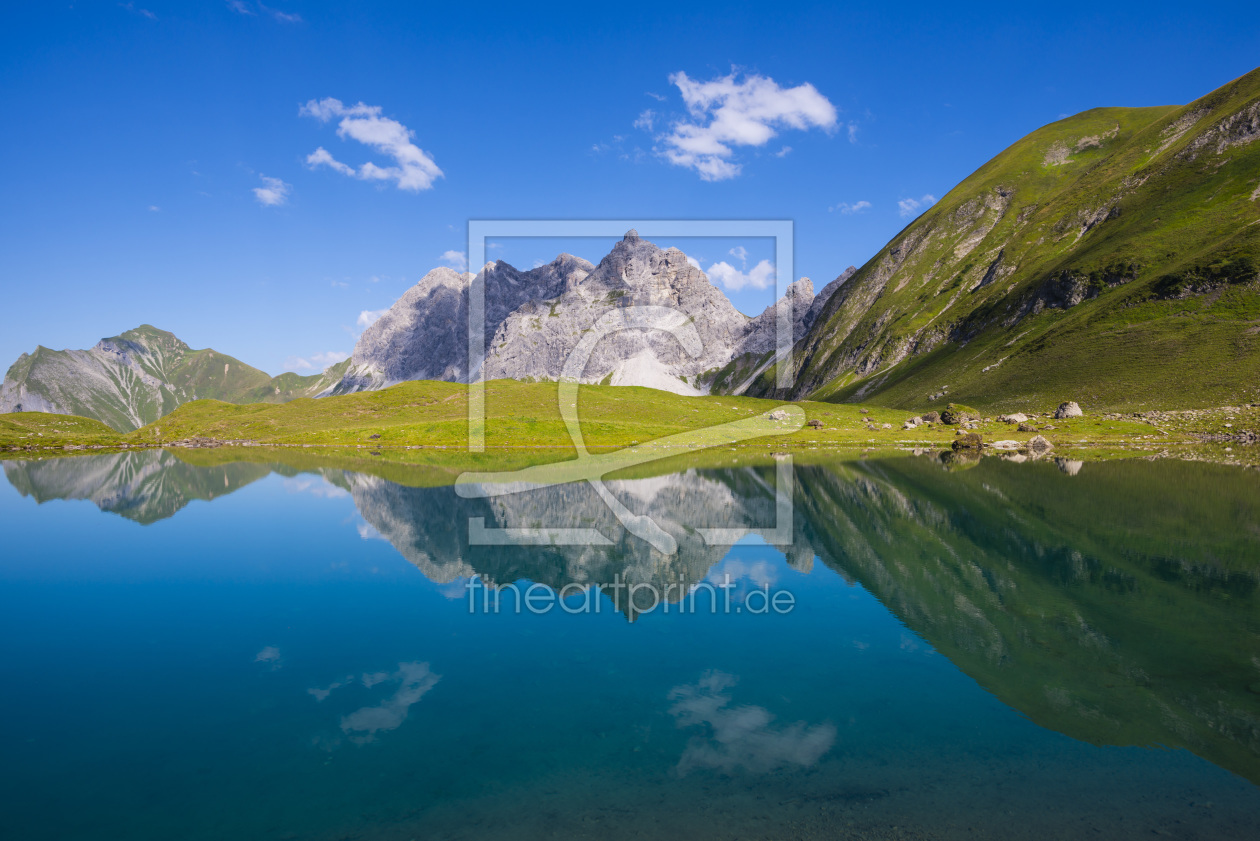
x: 1111, y: 258
x: 101, y: 386
x: 527, y: 416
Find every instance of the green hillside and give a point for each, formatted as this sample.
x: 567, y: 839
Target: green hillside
x: 1112, y: 258
x: 132, y: 379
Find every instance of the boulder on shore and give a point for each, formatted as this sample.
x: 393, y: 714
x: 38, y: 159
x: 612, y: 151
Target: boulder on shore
x: 930, y: 417
x: 1068, y: 410
x: 970, y: 441
x: 958, y: 413
x: 1017, y: 417
x: 1039, y: 444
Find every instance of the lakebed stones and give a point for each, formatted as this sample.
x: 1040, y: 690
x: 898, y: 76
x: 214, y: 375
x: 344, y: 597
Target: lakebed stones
x: 1068, y: 410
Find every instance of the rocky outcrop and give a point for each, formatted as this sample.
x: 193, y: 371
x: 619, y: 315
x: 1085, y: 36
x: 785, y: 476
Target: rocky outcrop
x: 424, y: 335
x: 536, y: 340
x: 536, y: 319
x: 132, y: 379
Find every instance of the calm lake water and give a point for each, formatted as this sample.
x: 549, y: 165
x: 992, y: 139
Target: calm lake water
x: 256, y: 651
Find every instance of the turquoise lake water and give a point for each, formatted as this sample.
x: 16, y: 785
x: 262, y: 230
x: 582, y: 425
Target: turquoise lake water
x: 1036, y: 650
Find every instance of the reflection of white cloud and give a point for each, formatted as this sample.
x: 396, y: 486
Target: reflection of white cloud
x: 270, y: 654
x: 414, y: 681
x: 368, y: 532
x: 759, y: 573
x: 315, y: 486
x: 741, y: 738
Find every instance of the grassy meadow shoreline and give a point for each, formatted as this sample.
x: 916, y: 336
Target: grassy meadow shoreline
x: 425, y: 423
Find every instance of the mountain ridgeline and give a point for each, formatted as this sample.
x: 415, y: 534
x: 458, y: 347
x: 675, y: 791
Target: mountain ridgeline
x: 1111, y: 257
x: 535, y: 320
x: 133, y: 379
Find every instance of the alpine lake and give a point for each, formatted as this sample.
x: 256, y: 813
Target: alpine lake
x: 211, y: 645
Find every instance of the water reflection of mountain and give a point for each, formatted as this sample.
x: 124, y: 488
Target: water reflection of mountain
x: 1118, y: 603
x: 1119, y: 606
x: 429, y: 526
x: 145, y: 486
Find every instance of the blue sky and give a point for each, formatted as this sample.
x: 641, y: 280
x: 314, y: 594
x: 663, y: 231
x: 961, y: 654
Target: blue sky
x: 160, y: 169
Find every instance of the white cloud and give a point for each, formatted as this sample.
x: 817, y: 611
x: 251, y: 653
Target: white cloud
x: 252, y: 9
x: 725, y: 113
x: 414, y: 682
x: 693, y: 261
x: 853, y: 130
x: 315, y: 486
x: 413, y: 170
x: 457, y: 260
x: 316, y: 361
x: 131, y: 7
x: 784, y: 152
x: 273, y: 193
x: 646, y: 120
x: 908, y: 207
x: 846, y: 208
x: 154, y: 208
x: 658, y: 97
x: 741, y: 737
x: 369, y: 317
x: 740, y: 253
x: 727, y: 276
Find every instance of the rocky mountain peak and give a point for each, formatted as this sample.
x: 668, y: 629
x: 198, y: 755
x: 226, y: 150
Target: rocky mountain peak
x: 535, y: 319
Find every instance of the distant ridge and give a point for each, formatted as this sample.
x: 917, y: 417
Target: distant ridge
x: 132, y: 379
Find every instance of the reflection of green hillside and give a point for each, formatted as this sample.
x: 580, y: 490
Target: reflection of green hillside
x: 1119, y: 606
x: 143, y: 486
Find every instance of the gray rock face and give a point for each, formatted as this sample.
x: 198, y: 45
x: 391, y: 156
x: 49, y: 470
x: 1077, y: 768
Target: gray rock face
x: 763, y: 330
x: 536, y: 319
x: 132, y: 379
x: 823, y: 296
x: 537, y: 339
x: 1068, y: 410
x: 424, y: 335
